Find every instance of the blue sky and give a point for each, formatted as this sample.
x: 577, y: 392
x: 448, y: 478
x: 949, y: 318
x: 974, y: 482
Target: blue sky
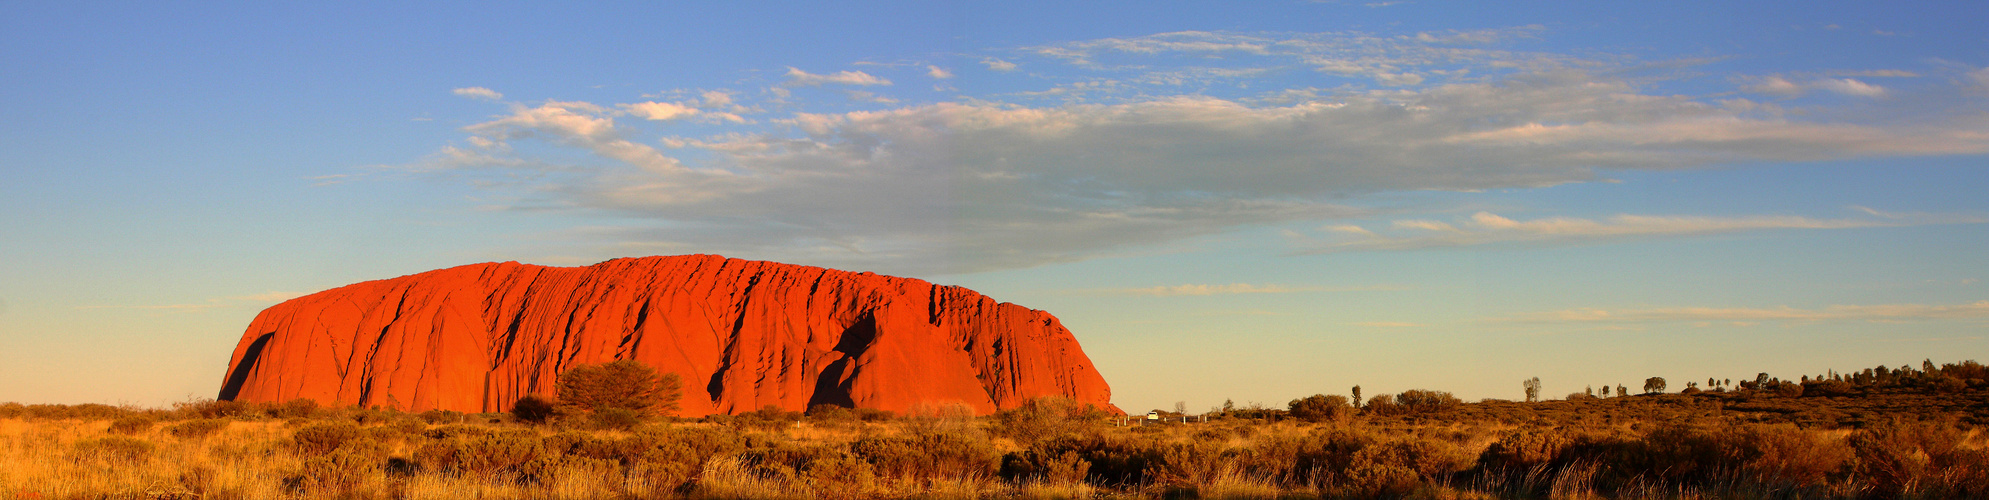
x: 1252, y: 201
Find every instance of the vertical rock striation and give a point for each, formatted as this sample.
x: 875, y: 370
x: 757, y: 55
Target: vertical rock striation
x: 741, y: 334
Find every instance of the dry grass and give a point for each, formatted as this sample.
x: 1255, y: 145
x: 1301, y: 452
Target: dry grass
x: 1876, y: 444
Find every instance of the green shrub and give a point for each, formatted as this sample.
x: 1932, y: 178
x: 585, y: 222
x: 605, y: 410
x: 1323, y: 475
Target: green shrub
x: 89, y: 411
x: 1829, y: 388
x: 929, y: 455
x: 439, y: 417
x: 295, y: 408
x: 322, y: 439
x: 1046, y: 417
x: 841, y: 476
x: 458, y: 431
x: 336, y: 472
x: 408, y: 426
x: 1785, y: 457
x: 831, y: 413
x: 767, y: 418
x: 1383, y: 405
x: 1524, y: 449
x: 196, y: 429
x: 627, y: 384
x: 1114, y: 459
x: 1374, y: 474
x: 616, y: 419
x: 1427, y: 401
x: 115, y: 451
x: 1898, y: 459
x: 1184, y: 465
x: 495, y: 455
x: 220, y: 409
x: 1321, y: 408
x: 548, y: 466
x: 136, y: 424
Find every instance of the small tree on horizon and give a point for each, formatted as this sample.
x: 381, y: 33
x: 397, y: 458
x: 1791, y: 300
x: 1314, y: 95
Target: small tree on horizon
x: 1357, y: 397
x: 1532, y: 389
x: 1654, y: 385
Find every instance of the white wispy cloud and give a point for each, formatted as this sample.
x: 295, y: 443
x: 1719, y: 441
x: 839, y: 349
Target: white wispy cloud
x: 577, y: 124
x: 1488, y: 228
x: 938, y: 72
x: 1776, y: 85
x: 1122, y: 164
x: 1389, y: 324
x: 478, y: 93
x: 1229, y: 289
x: 660, y: 110
x: 1745, y: 315
x: 798, y: 78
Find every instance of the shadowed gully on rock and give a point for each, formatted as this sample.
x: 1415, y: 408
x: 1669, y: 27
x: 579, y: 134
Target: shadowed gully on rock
x: 742, y: 335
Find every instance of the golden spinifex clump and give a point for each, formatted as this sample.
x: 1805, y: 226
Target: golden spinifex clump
x: 625, y: 385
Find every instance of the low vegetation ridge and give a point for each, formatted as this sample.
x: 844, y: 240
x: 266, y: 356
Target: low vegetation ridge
x: 1881, y: 433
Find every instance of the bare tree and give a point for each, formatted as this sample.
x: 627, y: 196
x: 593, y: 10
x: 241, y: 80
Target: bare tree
x: 1532, y: 389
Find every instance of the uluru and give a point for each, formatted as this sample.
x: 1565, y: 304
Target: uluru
x: 740, y: 334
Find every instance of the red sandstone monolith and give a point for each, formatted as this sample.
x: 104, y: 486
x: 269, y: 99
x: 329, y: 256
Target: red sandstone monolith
x: 741, y: 334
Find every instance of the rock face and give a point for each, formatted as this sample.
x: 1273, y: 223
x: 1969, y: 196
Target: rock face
x: 740, y: 334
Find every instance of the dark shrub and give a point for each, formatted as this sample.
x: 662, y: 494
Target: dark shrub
x: 1115, y: 459
x: 929, y: 455
x: 221, y: 409
x: 1045, y: 417
x: 195, y: 429
x: 458, y: 431
x: 322, y: 439
x: 617, y: 419
x: 295, y: 408
x: 113, y: 451
x: 1184, y: 465
x: 841, y: 476
x: 1829, y: 388
x: 768, y: 417
x: 1321, y: 408
x: 1899, y: 459
x: 1383, y: 405
x: 1520, y: 450
x: 496, y: 455
x: 439, y: 417
x: 831, y: 413
x: 532, y: 409
x: 337, y: 472
x: 1788, y: 390
x: 136, y: 424
x: 1784, y: 457
x: 1427, y: 401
